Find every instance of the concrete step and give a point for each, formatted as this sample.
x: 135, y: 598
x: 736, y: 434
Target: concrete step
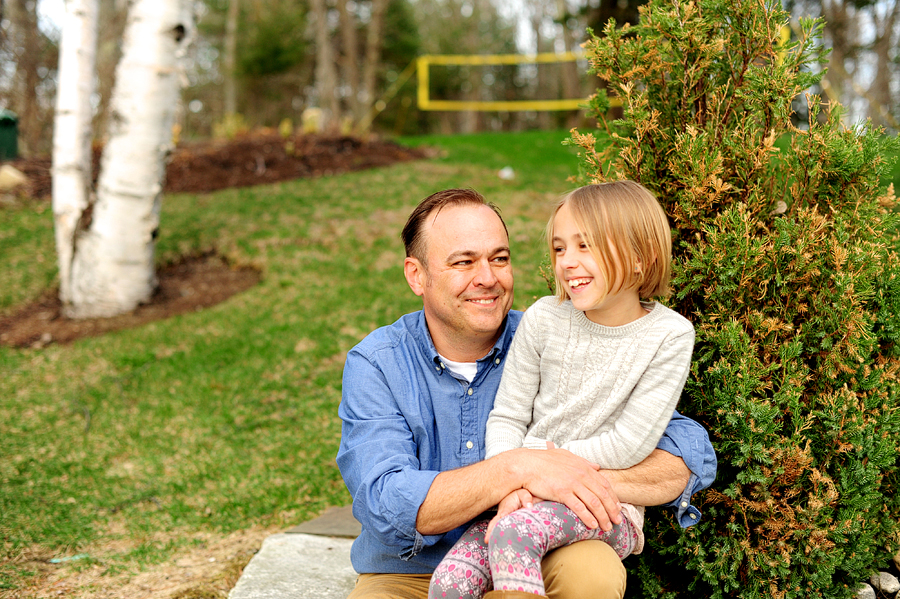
x: 310, y: 560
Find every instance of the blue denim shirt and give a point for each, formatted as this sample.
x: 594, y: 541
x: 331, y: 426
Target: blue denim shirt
x: 406, y: 418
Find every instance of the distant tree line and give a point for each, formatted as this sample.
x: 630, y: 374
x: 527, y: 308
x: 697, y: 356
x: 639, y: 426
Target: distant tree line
x: 257, y: 62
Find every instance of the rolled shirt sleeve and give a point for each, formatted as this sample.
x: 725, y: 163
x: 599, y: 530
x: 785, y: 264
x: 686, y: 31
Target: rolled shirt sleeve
x: 688, y: 440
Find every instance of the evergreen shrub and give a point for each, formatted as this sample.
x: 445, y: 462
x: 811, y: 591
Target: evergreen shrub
x: 786, y: 262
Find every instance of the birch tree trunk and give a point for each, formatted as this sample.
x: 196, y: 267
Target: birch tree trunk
x: 72, y: 131
x: 112, y: 271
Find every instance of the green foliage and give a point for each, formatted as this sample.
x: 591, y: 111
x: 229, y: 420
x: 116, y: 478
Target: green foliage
x: 271, y: 41
x: 785, y: 260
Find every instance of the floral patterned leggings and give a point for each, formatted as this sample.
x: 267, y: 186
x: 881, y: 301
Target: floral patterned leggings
x: 512, y: 559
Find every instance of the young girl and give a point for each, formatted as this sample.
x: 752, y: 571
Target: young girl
x: 594, y: 370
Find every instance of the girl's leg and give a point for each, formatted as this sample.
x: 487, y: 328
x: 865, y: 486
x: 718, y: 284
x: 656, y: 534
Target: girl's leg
x: 464, y: 571
x: 521, y: 540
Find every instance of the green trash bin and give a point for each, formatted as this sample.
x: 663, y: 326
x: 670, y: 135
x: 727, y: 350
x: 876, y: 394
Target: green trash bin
x: 9, y: 135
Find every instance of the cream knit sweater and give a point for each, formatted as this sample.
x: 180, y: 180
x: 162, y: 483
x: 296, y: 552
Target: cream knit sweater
x: 604, y: 393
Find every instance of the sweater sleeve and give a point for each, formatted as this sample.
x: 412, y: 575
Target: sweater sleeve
x: 511, y: 415
x: 649, y: 408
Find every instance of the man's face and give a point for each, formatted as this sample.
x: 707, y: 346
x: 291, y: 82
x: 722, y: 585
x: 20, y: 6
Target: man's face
x: 466, y: 283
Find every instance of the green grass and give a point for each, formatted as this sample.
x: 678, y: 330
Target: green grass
x: 129, y: 445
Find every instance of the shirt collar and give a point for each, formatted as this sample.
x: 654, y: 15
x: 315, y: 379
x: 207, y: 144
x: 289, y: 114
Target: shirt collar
x: 426, y: 345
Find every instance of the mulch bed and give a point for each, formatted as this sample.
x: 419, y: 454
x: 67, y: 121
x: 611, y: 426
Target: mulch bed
x: 251, y: 159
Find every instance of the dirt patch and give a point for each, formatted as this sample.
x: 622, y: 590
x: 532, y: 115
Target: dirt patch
x: 208, y: 571
x: 197, y: 282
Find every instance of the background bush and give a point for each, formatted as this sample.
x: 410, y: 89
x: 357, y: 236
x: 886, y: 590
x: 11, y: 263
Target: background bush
x: 785, y: 247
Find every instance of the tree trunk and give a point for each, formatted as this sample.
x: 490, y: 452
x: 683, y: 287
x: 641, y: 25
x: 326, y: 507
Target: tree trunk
x: 113, y: 267
x: 838, y: 24
x: 72, y: 131
x: 880, y: 94
x: 350, y: 56
x: 570, y: 80
x: 326, y: 77
x: 374, y: 43
x: 229, y: 60
x: 24, y: 17
x: 542, y: 86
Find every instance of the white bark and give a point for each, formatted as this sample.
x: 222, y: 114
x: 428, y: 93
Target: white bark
x: 72, y: 130
x: 113, y: 267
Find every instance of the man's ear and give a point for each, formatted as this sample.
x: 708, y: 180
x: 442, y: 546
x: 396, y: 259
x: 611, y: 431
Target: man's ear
x: 415, y: 275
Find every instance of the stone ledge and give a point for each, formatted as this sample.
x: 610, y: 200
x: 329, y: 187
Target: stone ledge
x: 298, y: 565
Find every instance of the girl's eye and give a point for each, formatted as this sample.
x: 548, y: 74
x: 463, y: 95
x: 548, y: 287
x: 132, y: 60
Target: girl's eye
x: 557, y: 249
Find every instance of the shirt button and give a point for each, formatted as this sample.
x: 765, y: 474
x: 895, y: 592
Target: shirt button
x: 497, y: 361
x: 470, y: 390
x: 438, y: 368
x: 469, y: 444
x: 693, y: 516
x: 684, y: 504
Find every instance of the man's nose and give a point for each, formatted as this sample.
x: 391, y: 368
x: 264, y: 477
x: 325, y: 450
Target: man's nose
x: 485, y: 275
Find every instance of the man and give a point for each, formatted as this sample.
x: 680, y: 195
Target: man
x: 416, y: 397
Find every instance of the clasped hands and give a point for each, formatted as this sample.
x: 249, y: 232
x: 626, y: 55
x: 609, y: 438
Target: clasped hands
x: 561, y: 476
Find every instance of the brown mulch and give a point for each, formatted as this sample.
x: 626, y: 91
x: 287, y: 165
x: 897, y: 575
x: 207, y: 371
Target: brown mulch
x: 250, y: 159
x: 196, y: 282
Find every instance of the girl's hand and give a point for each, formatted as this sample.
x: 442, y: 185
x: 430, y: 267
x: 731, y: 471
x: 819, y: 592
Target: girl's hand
x: 517, y: 499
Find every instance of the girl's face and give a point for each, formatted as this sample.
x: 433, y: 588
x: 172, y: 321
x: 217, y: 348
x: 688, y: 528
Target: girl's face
x: 585, y: 281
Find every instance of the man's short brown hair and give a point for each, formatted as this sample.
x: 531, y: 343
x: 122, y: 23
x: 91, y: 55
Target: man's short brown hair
x: 413, y: 233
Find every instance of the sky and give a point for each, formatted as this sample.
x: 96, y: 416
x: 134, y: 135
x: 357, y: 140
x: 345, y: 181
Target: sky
x: 51, y: 12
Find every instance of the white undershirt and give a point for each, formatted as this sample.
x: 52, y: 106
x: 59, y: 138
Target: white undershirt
x: 467, y: 370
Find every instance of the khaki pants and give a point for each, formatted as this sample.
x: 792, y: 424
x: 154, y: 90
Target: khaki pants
x: 583, y: 569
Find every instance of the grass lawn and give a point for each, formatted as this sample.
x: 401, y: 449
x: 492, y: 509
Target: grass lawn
x: 132, y: 448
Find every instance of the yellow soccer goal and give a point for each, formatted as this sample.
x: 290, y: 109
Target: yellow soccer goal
x: 425, y: 102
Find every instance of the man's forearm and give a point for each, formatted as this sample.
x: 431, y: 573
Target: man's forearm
x: 457, y: 496
x: 659, y: 479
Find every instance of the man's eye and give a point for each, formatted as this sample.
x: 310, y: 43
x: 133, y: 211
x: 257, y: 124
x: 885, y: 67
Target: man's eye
x: 462, y: 263
x: 503, y: 259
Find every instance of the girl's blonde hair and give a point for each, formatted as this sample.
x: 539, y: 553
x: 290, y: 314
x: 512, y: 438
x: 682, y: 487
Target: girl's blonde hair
x: 621, y: 219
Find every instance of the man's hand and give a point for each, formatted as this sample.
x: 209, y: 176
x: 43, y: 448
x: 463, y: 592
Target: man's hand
x: 517, y: 499
x: 559, y: 475
x: 457, y: 496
